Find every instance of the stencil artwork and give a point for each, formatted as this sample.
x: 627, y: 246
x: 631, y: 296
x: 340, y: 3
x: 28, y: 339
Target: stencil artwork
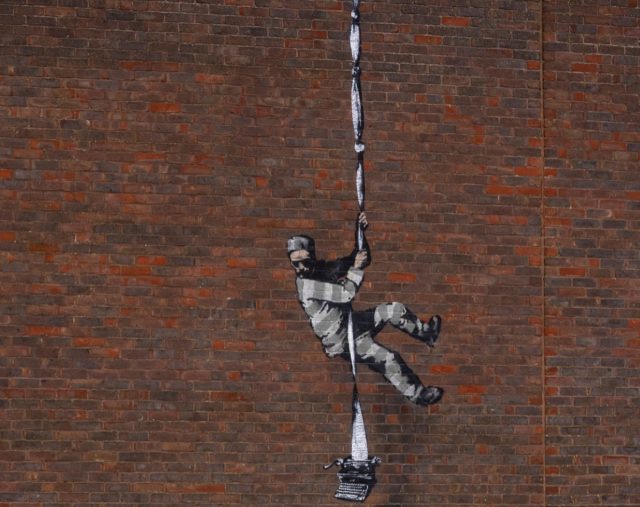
x: 326, y: 290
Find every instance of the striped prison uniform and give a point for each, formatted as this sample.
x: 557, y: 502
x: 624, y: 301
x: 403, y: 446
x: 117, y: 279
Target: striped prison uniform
x: 327, y: 303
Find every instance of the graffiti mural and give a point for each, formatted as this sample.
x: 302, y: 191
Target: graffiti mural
x: 326, y: 290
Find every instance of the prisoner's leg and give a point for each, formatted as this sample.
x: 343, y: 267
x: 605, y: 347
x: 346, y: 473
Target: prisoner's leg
x: 391, y: 365
x: 400, y: 317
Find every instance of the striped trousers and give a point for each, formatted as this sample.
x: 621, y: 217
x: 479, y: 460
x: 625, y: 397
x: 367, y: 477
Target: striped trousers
x: 367, y: 324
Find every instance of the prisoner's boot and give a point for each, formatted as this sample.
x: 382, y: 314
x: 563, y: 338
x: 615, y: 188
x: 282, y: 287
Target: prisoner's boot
x: 431, y: 331
x: 430, y: 395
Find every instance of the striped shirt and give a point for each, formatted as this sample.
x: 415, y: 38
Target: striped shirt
x: 327, y: 304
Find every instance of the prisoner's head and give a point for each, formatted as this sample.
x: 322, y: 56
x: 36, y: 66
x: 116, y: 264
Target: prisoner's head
x: 302, y: 254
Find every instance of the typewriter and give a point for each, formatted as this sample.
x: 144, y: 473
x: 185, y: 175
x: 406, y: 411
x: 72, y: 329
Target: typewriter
x: 356, y: 478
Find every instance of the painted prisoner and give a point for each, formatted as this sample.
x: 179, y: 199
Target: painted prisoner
x: 325, y: 291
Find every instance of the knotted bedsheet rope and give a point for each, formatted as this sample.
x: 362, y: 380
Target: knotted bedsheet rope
x: 359, y: 448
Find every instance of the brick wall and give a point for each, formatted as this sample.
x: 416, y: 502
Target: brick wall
x: 592, y: 351
x: 155, y: 156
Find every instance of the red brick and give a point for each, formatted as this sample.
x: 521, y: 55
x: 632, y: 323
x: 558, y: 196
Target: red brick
x: 499, y: 190
x: 157, y: 260
x: 43, y: 331
x: 455, y: 21
x: 89, y: 342
x: 443, y: 369
x: 149, y: 156
x: 472, y: 389
x: 210, y: 78
x: 242, y: 263
x: 428, y: 39
x: 572, y: 271
x: 401, y: 277
x: 584, y: 67
x: 164, y: 107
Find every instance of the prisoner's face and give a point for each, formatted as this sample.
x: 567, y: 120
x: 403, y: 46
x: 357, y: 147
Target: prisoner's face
x: 302, y: 261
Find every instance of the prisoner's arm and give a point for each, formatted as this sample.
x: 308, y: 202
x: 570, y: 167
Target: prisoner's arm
x: 341, y: 292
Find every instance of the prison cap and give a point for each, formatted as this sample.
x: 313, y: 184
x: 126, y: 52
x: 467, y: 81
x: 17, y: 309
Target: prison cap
x: 301, y: 243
